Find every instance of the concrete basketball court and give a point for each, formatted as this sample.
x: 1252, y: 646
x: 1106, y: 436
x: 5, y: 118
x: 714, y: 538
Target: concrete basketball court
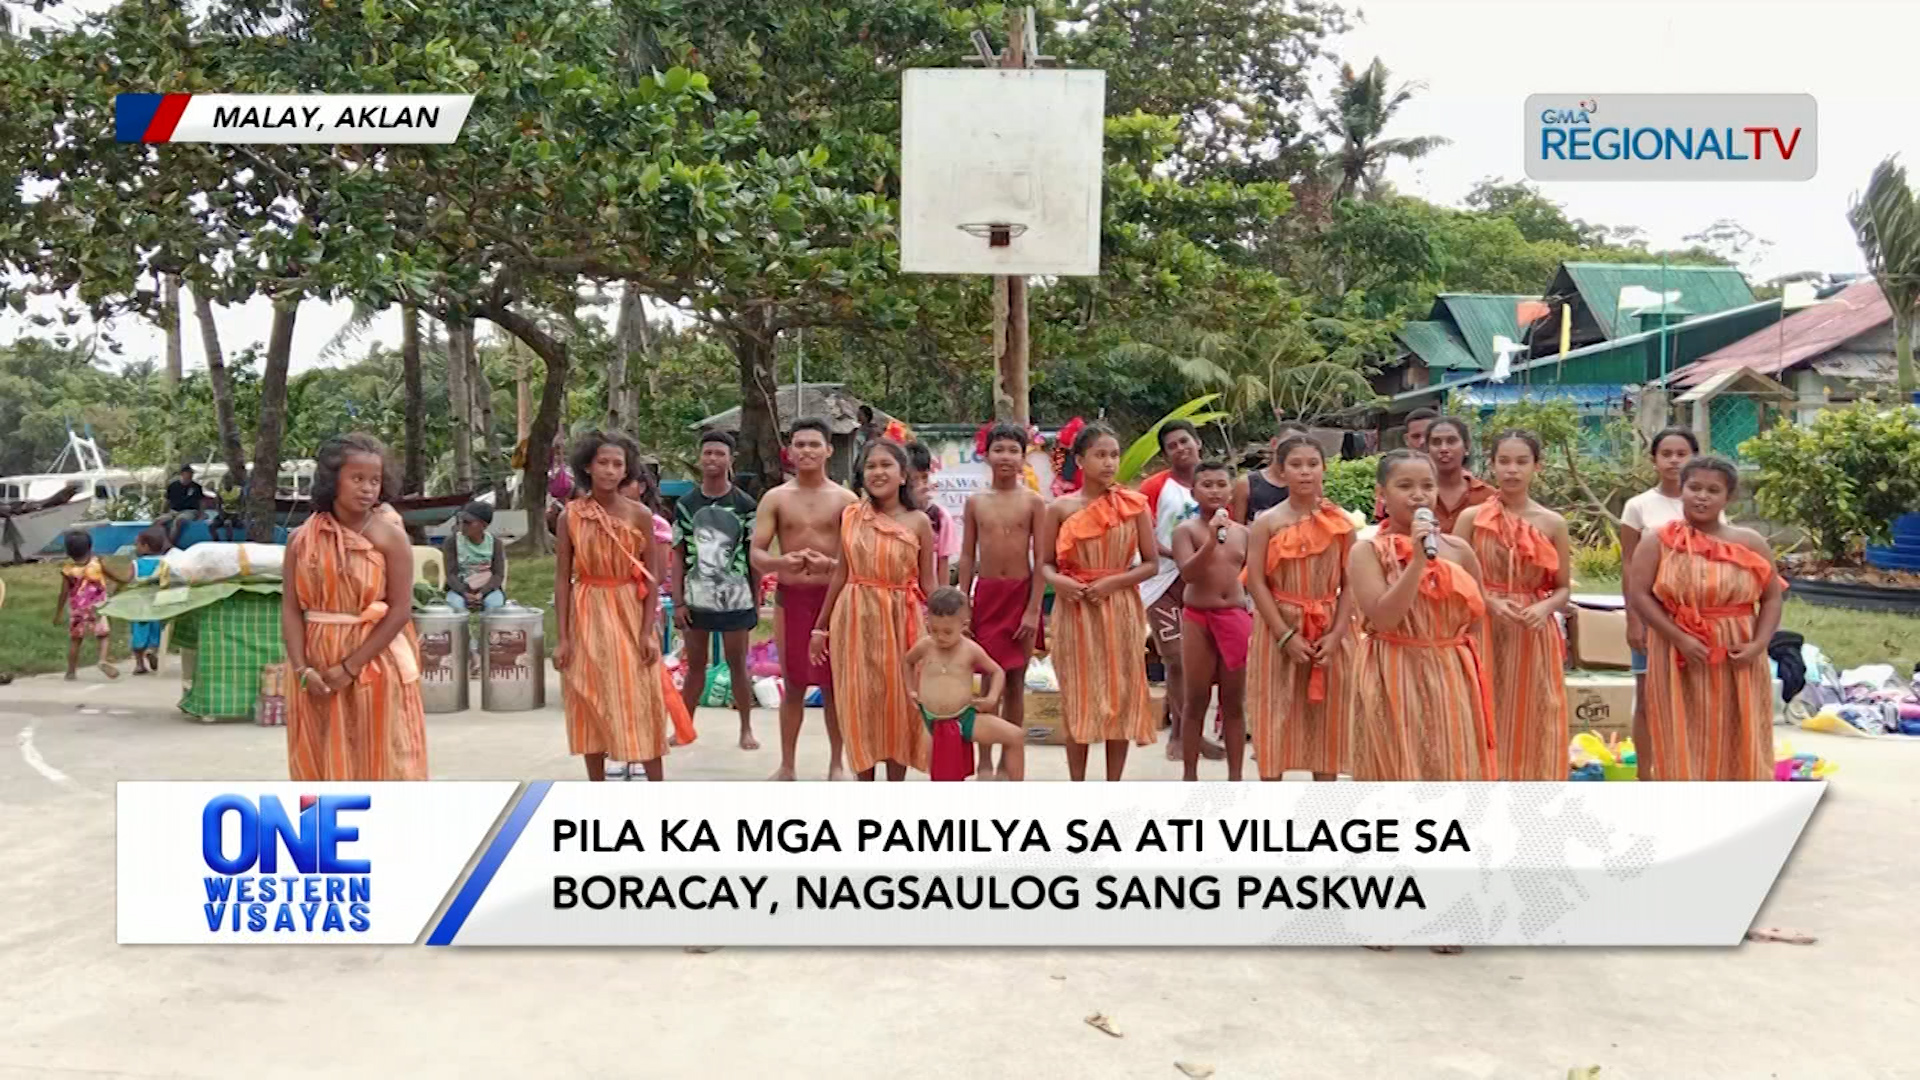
x: 72, y: 1003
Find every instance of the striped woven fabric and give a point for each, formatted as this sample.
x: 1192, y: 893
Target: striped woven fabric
x: 233, y: 639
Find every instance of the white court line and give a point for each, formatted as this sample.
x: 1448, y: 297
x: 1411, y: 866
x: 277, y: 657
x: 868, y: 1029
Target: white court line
x: 31, y: 755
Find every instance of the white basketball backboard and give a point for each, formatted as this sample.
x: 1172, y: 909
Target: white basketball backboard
x: 1014, y: 147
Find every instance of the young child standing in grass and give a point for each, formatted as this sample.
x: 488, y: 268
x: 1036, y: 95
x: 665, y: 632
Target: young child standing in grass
x: 144, y: 637
x: 83, y: 588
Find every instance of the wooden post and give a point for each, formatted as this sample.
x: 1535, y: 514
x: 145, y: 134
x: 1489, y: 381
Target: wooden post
x: 1010, y: 336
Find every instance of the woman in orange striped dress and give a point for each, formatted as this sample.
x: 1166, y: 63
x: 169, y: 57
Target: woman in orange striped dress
x: 873, y: 615
x: 1099, y: 546
x: 346, y: 617
x: 1709, y: 592
x: 1522, y: 550
x: 1422, y: 708
x: 605, y: 567
x: 1299, y: 674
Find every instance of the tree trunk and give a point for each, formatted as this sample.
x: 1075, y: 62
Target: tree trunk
x: 230, y: 448
x: 491, y: 471
x: 622, y: 404
x: 460, y: 401
x: 170, y: 317
x: 644, y: 335
x: 265, y: 473
x: 413, y: 473
x: 1903, y: 353
x: 546, y: 420
x: 759, y: 450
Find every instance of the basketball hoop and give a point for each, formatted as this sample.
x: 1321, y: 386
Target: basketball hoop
x: 996, y: 233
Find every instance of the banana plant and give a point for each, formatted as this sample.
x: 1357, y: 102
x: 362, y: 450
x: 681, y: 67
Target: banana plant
x: 1135, y: 459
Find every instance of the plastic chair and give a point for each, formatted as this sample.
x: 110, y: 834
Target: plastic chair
x: 430, y: 558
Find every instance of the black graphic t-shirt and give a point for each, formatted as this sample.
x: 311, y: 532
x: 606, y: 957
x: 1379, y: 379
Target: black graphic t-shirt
x: 713, y: 536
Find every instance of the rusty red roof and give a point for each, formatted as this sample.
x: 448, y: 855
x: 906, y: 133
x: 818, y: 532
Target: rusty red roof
x: 1802, y: 336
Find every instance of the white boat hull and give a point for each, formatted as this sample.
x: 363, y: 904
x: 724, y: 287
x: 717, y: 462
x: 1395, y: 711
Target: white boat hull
x: 38, y: 529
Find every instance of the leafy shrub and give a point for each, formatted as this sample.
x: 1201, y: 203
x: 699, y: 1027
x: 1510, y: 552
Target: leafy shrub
x: 1843, y: 478
x: 1350, y: 483
x: 1590, y: 468
x: 1596, y: 561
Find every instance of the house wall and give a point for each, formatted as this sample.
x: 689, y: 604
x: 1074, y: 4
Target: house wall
x: 1815, y: 391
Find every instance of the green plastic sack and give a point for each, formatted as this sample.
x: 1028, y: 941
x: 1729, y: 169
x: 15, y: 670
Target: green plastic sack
x: 719, y: 693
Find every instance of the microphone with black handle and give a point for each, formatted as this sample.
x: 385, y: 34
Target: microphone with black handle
x: 1430, y: 542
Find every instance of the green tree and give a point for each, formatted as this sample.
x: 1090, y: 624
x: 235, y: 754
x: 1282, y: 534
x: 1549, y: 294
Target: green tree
x: 1363, y: 106
x: 1886, y: 224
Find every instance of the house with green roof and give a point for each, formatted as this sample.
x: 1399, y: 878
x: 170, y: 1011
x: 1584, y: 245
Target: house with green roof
x: 1455, y: 338
x: 1592, y: 291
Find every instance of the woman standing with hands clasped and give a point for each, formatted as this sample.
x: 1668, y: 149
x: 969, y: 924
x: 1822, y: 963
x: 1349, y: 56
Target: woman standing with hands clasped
x: 1709, y: 594
x: 346, y: 618
x: 1522, y: 550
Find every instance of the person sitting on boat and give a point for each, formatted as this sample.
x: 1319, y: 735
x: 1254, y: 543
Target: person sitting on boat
x: 227, y: 521
x: 477, y: 561
x: 184, y: 499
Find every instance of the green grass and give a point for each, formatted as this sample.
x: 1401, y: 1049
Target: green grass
x: 30, y: 642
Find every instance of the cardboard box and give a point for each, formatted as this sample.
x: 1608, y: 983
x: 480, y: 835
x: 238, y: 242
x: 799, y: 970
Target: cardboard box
x: 1044, y: 726
x: 1600, y: 703
x: 1597, y: 636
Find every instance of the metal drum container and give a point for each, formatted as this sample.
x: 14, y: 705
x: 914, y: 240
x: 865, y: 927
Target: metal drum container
x: 443, y: 658
x: 514, y: 649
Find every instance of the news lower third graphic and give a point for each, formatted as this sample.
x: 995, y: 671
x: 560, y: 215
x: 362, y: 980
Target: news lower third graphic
x: 706, y: 863
x: 335, y: 119
x: 1715, y: 137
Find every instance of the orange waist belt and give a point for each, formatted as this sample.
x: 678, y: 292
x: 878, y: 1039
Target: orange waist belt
x: 1480, y: 677
x: 404, y: 660
x: 1316, y: 618
x: 1694, y: 621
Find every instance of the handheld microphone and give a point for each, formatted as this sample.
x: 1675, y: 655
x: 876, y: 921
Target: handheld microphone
x: 1431, y: 542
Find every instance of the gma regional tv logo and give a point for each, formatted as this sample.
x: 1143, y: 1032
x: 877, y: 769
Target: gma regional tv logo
x: 318, y: 887
x: 1672, y: 137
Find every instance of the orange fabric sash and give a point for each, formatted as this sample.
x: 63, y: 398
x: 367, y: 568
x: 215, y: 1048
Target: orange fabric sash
x: 1441, y: 578
x: 1692, y: 618
x: 1527, y: 543
x: 1480, y: 678
x: 404, y: 660
x: 864, y: 513
x: 1310, y: 535
x: 1094, y: 520
x: 1316, y: 618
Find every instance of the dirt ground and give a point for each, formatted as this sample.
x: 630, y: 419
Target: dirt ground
x: 72, y: 1003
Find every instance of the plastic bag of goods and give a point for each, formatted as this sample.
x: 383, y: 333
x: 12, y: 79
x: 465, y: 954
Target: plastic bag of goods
x: 769, y: 692
x: 270, y: 708
x: 763, y: 660
x: 719, y: 693
x: 203, y: 563
x: 1041, y: 677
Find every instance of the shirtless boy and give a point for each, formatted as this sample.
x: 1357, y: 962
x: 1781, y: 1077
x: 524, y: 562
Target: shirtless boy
x: 1211, y: 550
x: 999, y: 557
x: 803, y: 514
x: 940, y: 671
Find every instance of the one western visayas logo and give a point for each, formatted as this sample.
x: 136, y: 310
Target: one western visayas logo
x: 1671, y: 137
x: 318, y: 888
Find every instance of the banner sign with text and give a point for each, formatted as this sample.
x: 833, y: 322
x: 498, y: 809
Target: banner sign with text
x: 1043, y: 864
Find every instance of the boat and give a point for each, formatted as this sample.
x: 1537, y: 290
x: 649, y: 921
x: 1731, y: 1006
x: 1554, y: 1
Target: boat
x: 29, y: 526
x: 427, y: 512
x: 82, y: 463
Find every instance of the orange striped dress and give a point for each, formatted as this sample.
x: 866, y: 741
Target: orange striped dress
x: 875, y: 620
x: 1711, y: 721
x: 1518, y: 562
x: 1099, y: 647
x: 614, y: 706
x: 1422, y: 709
x: 1300, y: 716
x: 375, y: 729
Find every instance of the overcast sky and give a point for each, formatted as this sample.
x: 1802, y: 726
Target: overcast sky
x: 1480, y: 60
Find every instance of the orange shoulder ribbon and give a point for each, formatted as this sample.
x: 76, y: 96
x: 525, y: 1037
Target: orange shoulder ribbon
x: 1097, y: 518
x: 1442, y: 578
x: 588, y: 509
x: 1310, y: 535
x: 1683, y: 537
x: 1518, y: 535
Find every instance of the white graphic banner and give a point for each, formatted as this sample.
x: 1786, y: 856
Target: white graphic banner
x: 1160, y: 864
x: 247, y: 862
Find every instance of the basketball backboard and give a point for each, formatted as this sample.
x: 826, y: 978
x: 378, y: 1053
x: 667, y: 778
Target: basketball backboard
x: 1000, y: 171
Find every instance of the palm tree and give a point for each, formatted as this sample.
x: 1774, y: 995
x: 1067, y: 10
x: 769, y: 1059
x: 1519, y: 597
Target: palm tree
x: 1363, y: 107
x: 1886, y: 225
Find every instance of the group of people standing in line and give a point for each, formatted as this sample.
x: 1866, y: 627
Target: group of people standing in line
x: 1337, y: 650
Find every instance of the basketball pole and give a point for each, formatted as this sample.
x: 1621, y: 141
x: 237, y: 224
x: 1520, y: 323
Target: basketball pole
x: 1011, y: 342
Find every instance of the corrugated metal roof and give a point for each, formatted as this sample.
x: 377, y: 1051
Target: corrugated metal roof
x: 1803, y: 335
x: 1508, y: 393
x: 1437, y: 345
x: 1704, y: 289
x: 1479, y: 317
x: 1704, y: 323
x: 828, y: 401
